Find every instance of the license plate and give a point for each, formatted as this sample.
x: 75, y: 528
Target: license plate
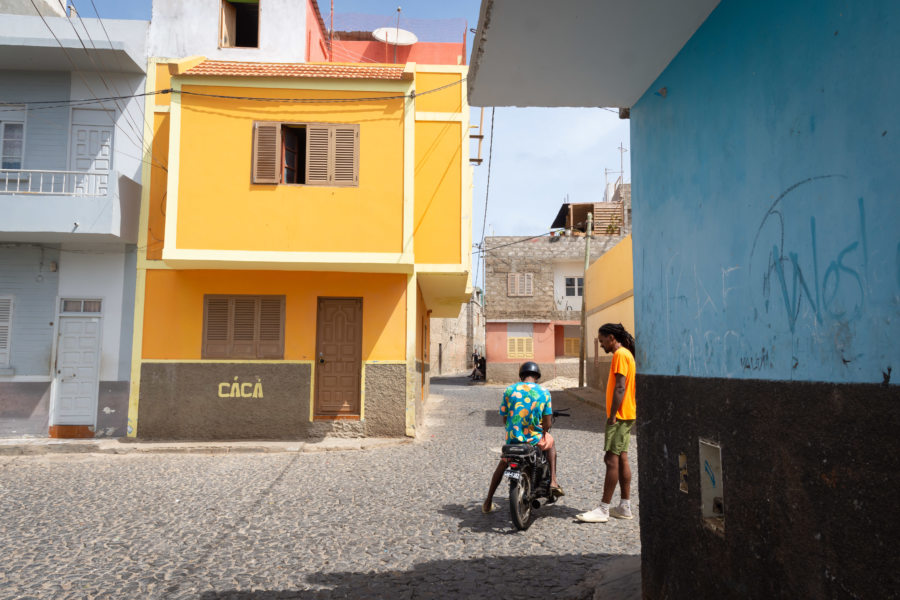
x: 512, y: 474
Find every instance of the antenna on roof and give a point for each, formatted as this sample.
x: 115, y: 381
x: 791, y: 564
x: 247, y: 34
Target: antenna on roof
x: 395, y: 36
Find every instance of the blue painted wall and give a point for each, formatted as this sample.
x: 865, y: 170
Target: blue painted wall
x: 47, y: 129
x: 766, y: 186
x: 25, y: 274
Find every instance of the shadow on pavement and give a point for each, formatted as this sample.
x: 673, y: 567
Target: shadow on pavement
x: 471, y: 518
x: 569, y: 576
x: 583, y: 417
x: 458, y: 380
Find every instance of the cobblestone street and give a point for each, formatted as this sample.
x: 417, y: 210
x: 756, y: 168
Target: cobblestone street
x: 397, y: 522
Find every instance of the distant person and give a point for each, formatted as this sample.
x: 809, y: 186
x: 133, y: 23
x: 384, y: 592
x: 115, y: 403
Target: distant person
x: 528, y: 414
x: 482, y: 368
x: 621, y: 412
x: 477, y: 372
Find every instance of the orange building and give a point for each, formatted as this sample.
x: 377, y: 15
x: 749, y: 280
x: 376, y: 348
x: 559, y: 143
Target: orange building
x: 310, y: 219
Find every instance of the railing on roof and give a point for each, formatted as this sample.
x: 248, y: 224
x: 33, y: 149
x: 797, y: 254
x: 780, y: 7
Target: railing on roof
x: 53, y: 183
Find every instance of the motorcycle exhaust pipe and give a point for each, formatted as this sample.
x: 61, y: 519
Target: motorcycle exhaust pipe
x: 535, y: 504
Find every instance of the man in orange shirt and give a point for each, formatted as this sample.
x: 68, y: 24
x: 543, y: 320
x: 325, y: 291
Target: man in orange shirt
x: 621, y: 413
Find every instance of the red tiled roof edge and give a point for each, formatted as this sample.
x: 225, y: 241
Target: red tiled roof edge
x: 309, y: 70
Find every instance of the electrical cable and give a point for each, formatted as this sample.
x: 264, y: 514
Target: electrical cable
x: 75, y: 69
x: 534, y: 237
x: 487, y: 191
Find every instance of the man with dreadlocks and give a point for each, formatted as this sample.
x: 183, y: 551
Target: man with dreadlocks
x: 621, y: 413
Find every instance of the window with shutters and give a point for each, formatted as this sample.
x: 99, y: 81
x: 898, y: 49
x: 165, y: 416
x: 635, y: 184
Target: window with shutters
x: 250, y: 327
x: 519, y: 347
x: 325, y: 154
x: 572, y: 346
x: 519, y: 284
x: 6, y: 308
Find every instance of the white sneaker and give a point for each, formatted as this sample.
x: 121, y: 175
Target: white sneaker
x: 621, y: 512
x: 598, y: 515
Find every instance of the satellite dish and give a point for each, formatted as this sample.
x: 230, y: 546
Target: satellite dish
x: 395, y: 36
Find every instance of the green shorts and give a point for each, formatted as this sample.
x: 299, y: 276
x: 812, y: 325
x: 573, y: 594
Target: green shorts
x: 618, y: 436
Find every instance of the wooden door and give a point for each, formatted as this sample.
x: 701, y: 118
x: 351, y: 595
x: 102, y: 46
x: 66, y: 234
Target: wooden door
x: 338, y: 357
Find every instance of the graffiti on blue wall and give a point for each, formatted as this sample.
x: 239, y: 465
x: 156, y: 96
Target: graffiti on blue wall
x: 838, y: 291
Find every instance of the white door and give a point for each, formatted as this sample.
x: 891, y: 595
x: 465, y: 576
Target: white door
x: 91, y: 151
x: 77, y: 371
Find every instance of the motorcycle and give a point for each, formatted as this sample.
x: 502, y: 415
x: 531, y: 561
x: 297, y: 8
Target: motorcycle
x: 528, y: 471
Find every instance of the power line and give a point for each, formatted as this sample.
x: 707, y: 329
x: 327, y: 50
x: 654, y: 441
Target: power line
x: 410, y: 96
x: 487, y: 190
x: 76, y: 70
x: 124, y: 110
x: 95, y: 100
x: 534, y: 237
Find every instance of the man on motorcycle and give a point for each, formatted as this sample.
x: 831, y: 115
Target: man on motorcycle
x: 528, y: 414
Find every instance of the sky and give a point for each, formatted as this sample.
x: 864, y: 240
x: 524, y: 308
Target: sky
x: 540, y: 157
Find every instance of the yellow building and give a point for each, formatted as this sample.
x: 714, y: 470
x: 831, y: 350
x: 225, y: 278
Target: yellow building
x: 609, y: 289
x: 309, y: 220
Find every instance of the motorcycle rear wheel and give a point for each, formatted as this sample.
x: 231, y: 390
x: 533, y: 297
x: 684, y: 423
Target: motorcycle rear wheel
x: 520, y: 502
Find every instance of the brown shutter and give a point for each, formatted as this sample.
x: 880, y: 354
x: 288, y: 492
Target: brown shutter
x: 528, y: 291
x: 266, y: 152
x: 511, y: 347
x: 216, y: 336
x: 244, y: 327
x: 317, y: 163
x: 528, y: 347
x: 511, y: 284
x: 346, y: 155
x: 271, y: 327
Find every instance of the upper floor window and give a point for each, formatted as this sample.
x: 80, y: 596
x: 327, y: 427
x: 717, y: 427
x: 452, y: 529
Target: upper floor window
x: 519, y: 284
x: 306, y: 153
x: 12, y: 137
x: 239, y: 24
x: 574, y: 286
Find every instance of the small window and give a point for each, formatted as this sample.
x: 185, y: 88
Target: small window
x: 250, y: 327
x: 323, y: 154
x: 6, y: 308
x: 239, y: 24
x: 80, y: 306
x: 574, y: 286
x: 519, y: 347
x: 12, y: 137
x: 519, y: 284
x: 572, y: 346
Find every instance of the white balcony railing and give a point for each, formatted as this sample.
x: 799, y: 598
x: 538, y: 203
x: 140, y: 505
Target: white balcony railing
x: 54, y: 183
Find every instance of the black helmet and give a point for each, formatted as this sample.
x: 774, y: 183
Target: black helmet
x: 529, y: 368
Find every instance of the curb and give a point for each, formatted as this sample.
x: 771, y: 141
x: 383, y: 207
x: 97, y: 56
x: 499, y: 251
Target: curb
x: 43, y: 446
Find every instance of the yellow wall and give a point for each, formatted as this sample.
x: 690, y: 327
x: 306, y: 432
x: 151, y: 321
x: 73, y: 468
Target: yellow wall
x: 610, y: 282
x: 219, y: 208
x: 438, y: 187
x: 156, y: 217
x: 173, y: 309
x: 446, y: 100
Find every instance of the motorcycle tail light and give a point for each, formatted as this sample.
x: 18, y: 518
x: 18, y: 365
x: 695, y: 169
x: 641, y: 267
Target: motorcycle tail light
x: 514, y: 465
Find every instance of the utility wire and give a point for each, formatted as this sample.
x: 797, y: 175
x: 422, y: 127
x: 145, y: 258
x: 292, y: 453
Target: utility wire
x: 127, y: 115
x: 487, y: 191
x: 99, y: 71
x: 534, y: 237
x: 75, y: 69
x: 95, y: 100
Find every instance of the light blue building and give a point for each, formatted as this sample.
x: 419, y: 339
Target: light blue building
x: 765, y: 144
x: 71, y: 140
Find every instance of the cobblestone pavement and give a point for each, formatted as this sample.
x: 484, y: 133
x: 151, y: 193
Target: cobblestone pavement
x: 397, y: 522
